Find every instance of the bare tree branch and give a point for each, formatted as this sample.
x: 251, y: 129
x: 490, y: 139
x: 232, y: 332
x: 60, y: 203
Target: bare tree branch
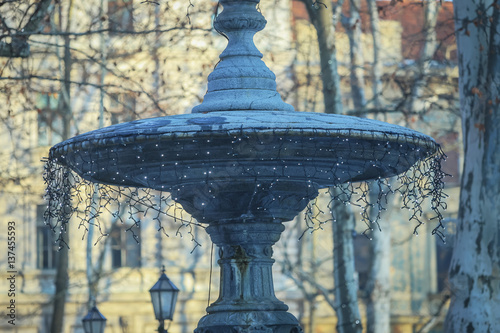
x: 19, y: 47
x: 36, y: 18
x: 115, y: 32
x: 435, y: 317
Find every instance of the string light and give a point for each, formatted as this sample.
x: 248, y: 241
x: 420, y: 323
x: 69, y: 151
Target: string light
x: 422, y: 182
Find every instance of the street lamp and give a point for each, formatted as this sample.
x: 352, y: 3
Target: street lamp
x: 163, y: 296
x: 94, y: 321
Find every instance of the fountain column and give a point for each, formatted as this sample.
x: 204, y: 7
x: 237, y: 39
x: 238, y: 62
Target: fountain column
x: 241, y: 82
x: 246, y: 300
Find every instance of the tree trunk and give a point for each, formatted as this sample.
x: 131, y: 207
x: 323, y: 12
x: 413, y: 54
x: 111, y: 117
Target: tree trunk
x: 323, y: 19
x: 62, y: 279
x: 353, y: 28
x: 314, y: 275
x: 345, y: 283
x: 475, y: 268
x: 91, y: 281
x: 377, y: 64
x: 378, y: 286
x: 417, y: 98
x: 346, y: 287
x: 61, y: 285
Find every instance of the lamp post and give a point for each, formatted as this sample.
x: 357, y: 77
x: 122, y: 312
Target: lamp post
x: 94, y: 321
x: 163, y: 296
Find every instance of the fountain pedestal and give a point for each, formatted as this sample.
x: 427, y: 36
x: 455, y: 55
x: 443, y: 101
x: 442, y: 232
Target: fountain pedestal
x: 246, y: 300
x: 245, y: 221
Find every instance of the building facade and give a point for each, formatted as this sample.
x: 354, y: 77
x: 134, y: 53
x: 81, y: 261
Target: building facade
x: 106, y: 62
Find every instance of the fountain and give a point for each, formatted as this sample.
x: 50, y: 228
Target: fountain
x: 243, y: 162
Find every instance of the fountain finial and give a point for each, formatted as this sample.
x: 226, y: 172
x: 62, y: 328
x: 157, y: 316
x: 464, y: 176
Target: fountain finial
x: 241, y: 81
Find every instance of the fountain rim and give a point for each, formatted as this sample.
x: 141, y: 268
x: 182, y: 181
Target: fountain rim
x: 106, y: 137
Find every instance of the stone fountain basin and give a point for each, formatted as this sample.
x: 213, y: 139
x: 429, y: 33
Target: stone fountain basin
x: 207, y: 159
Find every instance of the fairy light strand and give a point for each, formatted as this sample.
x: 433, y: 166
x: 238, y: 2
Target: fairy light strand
x: 421, y: 187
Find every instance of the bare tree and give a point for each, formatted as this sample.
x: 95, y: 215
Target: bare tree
x: 324, y: 18
x: 19, y: 35
x: 417, y: 100
x: 394, y: 88
x: 352, y: 25
x: 475, y: 268
x: 378, y: 286
x: 48, y: 52
x: 376, y: 68
x: 65, y: 109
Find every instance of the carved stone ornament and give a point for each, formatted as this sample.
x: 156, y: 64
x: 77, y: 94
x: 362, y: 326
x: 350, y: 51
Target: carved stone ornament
x: 241, y: 80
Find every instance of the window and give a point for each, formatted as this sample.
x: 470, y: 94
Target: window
x: 46, y: 247
x: 450, y: 143
x: 120, y: 15
x: 362, y: 259
x: 444, y: 253
x: 50, y: 124
x: 125, y: 250
x: 122, y: 107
